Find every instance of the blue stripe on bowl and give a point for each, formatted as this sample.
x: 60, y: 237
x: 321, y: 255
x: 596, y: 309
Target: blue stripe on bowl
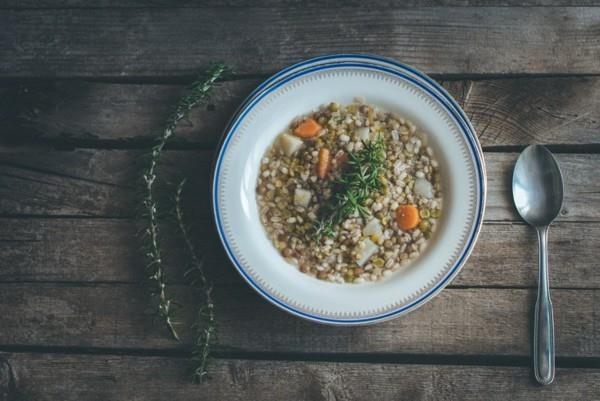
x: 445, y: 101
x: 369, y: 57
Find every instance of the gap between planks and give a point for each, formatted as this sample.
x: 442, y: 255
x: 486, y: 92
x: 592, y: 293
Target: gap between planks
x: 360, y: 357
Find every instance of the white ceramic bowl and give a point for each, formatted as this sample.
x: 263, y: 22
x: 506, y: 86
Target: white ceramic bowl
x: 300, y: 89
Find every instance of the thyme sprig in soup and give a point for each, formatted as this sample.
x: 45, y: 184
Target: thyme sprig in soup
x: 350, y: 193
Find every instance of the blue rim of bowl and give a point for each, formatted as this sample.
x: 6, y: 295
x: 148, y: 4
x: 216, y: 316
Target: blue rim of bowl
x: 399, y: 70
x: 350, y: 57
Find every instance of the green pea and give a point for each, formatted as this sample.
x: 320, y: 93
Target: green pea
x: 378, y: 262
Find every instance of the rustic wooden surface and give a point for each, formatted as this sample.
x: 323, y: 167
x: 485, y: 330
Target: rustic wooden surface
x: 167, y: 42
x: 85, y: 86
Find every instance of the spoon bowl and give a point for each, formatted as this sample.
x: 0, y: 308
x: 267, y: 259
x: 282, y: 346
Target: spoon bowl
x: 537, y: 186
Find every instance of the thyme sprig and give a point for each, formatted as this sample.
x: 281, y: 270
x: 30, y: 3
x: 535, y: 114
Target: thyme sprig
x: 156, y: 277
x: 361, y: 178
x: 204, y: 327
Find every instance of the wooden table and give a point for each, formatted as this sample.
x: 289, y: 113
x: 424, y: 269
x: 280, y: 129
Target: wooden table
x: 84, y: 88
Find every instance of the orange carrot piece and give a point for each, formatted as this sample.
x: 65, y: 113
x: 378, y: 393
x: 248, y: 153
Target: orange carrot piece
x: 407, y: 217
x: 323, y: 163
x: 308, y: 128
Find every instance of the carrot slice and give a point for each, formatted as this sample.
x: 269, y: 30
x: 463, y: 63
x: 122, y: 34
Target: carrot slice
x: 323, y: 163
x: 308, y: 128
x: 407, y: 217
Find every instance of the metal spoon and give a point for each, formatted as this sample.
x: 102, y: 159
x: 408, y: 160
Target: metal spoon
x: 537, y: 188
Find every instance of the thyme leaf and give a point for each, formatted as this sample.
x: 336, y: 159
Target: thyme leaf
x: 361, y: 178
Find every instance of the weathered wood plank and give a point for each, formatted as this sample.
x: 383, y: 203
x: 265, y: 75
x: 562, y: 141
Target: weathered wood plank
x: 106, y: 250
x: 457, y: 322
x: 33, y: 4
x: 168, y: 42
x: 88, y: 182
x: 504, y: 112
x: 531, y: 110
x: 129, y: 112
x: 103, y: 378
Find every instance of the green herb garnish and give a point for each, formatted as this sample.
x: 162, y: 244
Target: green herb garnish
x: 205, y: 325
x: 156, y: 277
x: 361, y: 178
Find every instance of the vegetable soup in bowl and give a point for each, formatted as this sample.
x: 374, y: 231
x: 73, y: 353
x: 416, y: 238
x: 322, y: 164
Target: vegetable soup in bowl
x: 348, y: 189
x: 350, y: 193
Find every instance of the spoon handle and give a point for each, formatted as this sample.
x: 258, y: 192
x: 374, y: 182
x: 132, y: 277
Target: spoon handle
x: 543, y: 340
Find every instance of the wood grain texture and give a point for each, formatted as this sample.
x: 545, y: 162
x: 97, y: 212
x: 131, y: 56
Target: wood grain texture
x: 110, y: 377
x: 456, y: 322
x: 69, y: 110
x: 106, y: 251
x: 174, y: 42
x: 531, y: 110
x: 89, y: 182
x: 504, y: 112
x: 93, y: 182
x: 37, y: 4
